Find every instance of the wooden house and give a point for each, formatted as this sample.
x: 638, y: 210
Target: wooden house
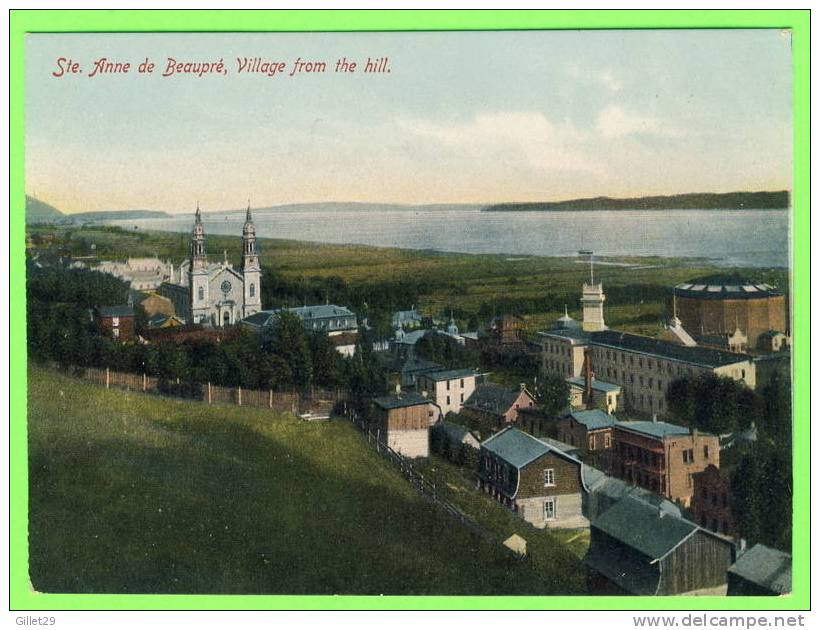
x: 638, y: 549
x: 591, y: 432
x: 542, y: 484
x: 402, y: 422
x: 761, y: 571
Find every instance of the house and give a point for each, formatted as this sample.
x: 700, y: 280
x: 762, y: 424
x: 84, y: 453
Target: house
x: 116, y: 322
x: 455, y: 442
x: 448, y: 388
x: 591, y: 432
x: 602, y: 395
x: 605, y: 491
x: 151, y: 303
x: 761, y: 571
x: 712, y: 500
x: 541, y: 483
x: 405, y: 371
x: 497, y: 405
x: 662, y: 457
x: 638, y: 549
x: 407, y: 319
x: 506, y: 330
x: 164, y: 321
x: 534, y: 421
x: 773, y: 341
x: 339, y: 323
x: 403, y: 345
x: 402, y: 421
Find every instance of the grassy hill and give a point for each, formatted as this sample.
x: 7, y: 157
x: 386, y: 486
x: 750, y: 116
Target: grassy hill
x: 133, y: 493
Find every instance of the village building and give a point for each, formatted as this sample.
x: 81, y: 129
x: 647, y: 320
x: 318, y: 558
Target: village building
x: 722, y: 304
x: 407, y: 320
x: 598, y: 394
x: 590, y: 431
x: 662, y: 457
x: 542, y: 484
x: 605, y: 491
x: 449, y: 389
x: 761, y: 571
x: 151, y: 303
x: 712, y: 500
x: 405, y: 372
x: 534, y: 421
x: 142, y: 274
x: 338, y: 322
x: 638, y: 549
x: 497, y: 405
x: 214, y: 294
x: 773, y: 341
x: 402, y: 421
x: 164, y: 321
x: 115, y: 322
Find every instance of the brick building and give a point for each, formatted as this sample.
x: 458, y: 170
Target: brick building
x: 712, y: 500
x: 590, y: 432
x: 116, y: 322
x: 662, y: 457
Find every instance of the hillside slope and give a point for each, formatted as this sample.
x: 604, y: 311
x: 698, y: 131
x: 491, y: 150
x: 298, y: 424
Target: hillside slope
x: 133, y: 493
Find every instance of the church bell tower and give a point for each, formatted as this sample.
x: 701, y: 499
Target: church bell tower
x: 198, y: 273
x: 251, y: 271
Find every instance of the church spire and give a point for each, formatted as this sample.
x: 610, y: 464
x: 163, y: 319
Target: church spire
x: 198, y: 240
x: 249, y: 255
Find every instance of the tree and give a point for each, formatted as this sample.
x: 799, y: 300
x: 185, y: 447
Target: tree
x: 290, y: 343
x: 712, y: 403
x: 552, y: 394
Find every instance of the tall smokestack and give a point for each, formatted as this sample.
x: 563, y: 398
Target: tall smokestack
x: 588, y: 376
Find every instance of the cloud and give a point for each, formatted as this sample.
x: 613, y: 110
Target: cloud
x: 530, y: 137
x: 608, y: 79
x: 615, y: 122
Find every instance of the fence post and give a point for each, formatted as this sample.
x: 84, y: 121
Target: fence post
x: 144, y: 381
x: 270, y: 399
x: 209, y: 392
x: 107, y: 378
x: 239, y: 395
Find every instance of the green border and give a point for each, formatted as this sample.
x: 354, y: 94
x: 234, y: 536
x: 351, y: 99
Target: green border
x: 23, y: 21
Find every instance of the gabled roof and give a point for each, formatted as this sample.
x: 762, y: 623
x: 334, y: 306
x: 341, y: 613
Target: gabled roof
x: 493, y: 398
x: 594, y: 419
x: 455, y: 432
x: 321, y: 311
x: 121, y: 310
x: 260, y: 319
x: 766, y: 567
x: 515, y: 447
x: 648, y: 530
x: 658, y: 429
x: 402, y: 400
x: 412, y: 338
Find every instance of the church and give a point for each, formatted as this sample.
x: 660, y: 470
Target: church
x: 214, y: 294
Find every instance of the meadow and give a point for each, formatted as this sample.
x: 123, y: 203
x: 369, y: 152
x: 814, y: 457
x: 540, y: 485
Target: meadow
x: 132, y: 493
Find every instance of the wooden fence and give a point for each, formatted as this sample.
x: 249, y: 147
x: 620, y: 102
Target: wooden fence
x: 316, y: 401
x: 424, y: 486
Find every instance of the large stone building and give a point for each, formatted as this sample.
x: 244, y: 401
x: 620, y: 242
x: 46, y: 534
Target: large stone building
x: 721, y: 305
x: 643, y: 367
x: 215, y: 294
x: 142, y: 274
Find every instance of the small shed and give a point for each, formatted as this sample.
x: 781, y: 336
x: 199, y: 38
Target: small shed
x: 402, y: 422
x: 761, y: 571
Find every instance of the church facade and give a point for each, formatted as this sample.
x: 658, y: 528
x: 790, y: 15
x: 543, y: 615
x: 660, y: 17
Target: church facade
x: 214, y: 294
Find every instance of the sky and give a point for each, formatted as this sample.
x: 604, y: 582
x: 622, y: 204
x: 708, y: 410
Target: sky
x: 462, y: 117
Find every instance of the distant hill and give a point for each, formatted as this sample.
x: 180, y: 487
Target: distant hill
x: 40, y: 212
x: 109, y: 215
x: 352, y: 206
x: 773, y: 200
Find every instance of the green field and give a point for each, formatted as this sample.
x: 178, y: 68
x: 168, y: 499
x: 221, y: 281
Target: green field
x: 131, y: 493
x: 460, y: 281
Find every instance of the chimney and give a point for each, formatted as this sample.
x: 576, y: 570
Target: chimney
x: 522, y: 386
x: 588, y: 376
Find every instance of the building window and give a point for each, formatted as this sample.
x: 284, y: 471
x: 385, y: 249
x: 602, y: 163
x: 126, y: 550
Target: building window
x: 607, y: 441
x: 462, y: 383
x: 549, y: 509
x: 448, y: 400
x: 462, y: 397
x: 201, y: 293
x: 549, y: 477
x: 705, y: 451
x: 448, y: 385
x: 115, y: 332
x: 115, y: 321
x: 591, y: 442
x: 253, y: 289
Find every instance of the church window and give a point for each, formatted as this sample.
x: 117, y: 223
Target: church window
x: 201, y: 293
x: 253, y: 289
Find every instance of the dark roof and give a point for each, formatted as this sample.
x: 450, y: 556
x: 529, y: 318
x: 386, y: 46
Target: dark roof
x: 766, y: 567
x: 725, y: 286
x: 594, y: 419
x: 515, y: 447
x: 121, y: 310
x: 573, y: 334
x: 402, y: 400
x: 449, y: 375
x: 648, y: 530
x: 624, y: 568
x: 455, y: 432
x: 260, y: 319
x: 708, y: 357
x: 601, y: 386
x: 653, y: 429
x: 493, y: 398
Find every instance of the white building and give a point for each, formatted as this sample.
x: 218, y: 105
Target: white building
x: 448, y: 388
x: 216, y: 294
